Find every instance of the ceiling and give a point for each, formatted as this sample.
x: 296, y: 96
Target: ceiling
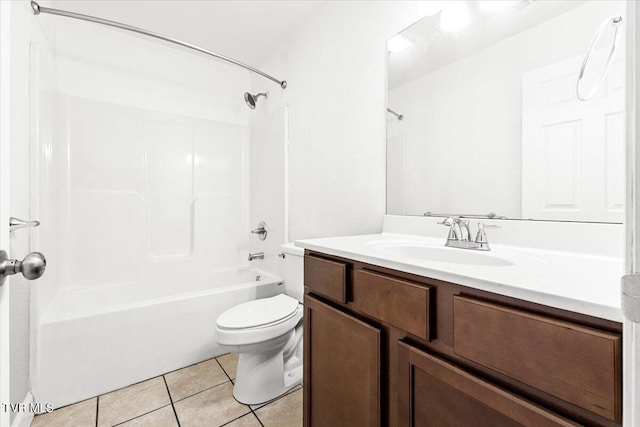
x: 248, y: 31
x: 434, y: 48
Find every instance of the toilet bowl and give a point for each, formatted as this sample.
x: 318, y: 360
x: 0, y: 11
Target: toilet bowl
x: 267, y: 334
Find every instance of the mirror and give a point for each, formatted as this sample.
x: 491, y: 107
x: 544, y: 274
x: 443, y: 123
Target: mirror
x: 483, y: 116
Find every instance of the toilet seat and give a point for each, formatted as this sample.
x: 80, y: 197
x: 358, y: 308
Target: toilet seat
x: 259, y: 320
x: 257, y: 313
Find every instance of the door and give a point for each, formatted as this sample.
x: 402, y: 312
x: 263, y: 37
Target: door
x: 631, y: 304
x: 572, y: 151
x: 341, y: 368
x: 5, y: 8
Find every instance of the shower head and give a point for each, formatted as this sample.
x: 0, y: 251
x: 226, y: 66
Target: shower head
x: 252, y: 99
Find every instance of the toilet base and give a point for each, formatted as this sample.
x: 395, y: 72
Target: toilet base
x: 261, y: 377
x: 269, y: 369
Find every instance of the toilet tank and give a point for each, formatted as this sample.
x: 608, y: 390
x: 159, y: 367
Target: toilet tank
x: 293, y: 270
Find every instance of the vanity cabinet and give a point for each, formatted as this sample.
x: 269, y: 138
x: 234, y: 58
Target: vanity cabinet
x: 389, y: 348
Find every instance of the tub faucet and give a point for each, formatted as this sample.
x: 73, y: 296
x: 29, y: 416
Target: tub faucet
x: 257, y: 255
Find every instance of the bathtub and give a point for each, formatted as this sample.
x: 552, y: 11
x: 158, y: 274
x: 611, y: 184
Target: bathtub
x: 90, y: 342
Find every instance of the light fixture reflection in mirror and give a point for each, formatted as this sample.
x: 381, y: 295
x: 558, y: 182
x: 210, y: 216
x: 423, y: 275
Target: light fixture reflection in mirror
x: 398, y: 43
x: 495, y: 5
x: 454, y: 17
x: 431, y: 7
x: 496, y: 124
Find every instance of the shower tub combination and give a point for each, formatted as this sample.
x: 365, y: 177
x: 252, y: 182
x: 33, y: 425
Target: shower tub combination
x: 91, y: 342
x: 140, y: 177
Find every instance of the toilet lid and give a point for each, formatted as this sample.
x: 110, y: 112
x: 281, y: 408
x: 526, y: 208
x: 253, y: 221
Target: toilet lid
x: 259, y: 312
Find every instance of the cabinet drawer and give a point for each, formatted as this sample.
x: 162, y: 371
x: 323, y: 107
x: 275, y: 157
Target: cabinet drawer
x: 325, y: 277
x: 433, y: 392
x: 575, y: 363
x: 398, y: 302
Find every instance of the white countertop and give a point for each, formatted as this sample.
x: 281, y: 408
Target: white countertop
x: 588, y: 284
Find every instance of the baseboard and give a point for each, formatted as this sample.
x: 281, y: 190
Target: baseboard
x: 24, y: 419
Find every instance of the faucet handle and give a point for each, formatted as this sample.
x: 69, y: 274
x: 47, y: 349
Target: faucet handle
x: 261, y: 231
x: 490, y: 226
x: 448, y: 221
x: 481, y: 236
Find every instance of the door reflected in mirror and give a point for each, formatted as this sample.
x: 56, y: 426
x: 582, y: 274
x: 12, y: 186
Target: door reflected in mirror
x: 490, y: 118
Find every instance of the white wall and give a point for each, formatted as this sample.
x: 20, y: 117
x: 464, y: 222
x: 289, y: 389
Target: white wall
x: 463, y: 122
x: 268, y: 192
x: 335, y: 65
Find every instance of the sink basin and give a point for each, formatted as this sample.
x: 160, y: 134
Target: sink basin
x: 443, y: 254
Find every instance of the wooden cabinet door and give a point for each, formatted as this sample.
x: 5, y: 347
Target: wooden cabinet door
x: 434, y: 392
x: 341, y: 368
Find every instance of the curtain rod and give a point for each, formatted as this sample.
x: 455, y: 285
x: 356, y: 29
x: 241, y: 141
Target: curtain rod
x: 37, y: 9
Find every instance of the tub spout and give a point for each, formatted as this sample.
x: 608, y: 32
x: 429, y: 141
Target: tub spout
x: 257, y: 255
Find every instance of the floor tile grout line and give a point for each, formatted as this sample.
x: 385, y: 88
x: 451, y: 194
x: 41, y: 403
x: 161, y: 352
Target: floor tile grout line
x: 192, y: 364
x: 236, y: 419
x: 258, y: 418
x: 256, y: 415
x: 223, y: 370
x: 70, y: 404
x: 290, y: 391
x: 168, y: 390
x: 175, y: 413
x: 269, y: 402
x: 141, y: 415
x: 201, y: 391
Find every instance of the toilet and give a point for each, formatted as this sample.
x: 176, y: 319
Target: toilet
x: 267, y: 334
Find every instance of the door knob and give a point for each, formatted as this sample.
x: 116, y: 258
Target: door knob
x: 32, y: 266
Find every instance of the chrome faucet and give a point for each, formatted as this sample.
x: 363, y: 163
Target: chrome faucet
x: 459, y: 234
x: 458, y: 229
x: 257, y: 255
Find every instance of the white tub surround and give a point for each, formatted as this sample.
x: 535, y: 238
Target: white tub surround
x: 95, y: 341
x: 571, y: 266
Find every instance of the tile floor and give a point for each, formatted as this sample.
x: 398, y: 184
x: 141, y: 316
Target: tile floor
x: 198, y: 395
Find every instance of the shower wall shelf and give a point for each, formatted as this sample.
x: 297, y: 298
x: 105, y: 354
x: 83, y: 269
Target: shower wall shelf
x: 37, y: 10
